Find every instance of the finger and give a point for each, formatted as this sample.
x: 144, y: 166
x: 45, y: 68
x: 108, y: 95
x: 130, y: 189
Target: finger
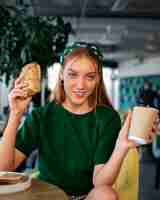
x: 156, y: 122
x: 21, y: 86
x: 18, y: 93
x: 17, y: 81
x: 152, y: 135
x: 149, y: 139
x: 127, y: 122
x: 24, y: 90
x: 158, y: 127
x: 154, y: 129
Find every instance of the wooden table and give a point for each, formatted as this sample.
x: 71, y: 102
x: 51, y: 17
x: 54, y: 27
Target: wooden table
x: 39, y: 190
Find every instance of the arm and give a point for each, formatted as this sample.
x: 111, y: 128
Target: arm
x: 10, y: 156
x: 8, y: 153
x: 108, y: 172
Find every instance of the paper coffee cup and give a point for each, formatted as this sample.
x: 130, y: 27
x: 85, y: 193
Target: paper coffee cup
x: 142, y: 122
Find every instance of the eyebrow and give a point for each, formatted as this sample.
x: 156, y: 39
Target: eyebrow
x: 90, y: 73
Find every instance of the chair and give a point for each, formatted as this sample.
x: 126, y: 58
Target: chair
x: 156, y: 154
x: 127, y: 183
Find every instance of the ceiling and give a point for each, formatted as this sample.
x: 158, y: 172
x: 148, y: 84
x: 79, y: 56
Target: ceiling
x: 124, y: 29
x: 92, y: 8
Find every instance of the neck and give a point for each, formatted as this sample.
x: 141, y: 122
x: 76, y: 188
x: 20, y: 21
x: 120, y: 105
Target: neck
x: 77, y: 109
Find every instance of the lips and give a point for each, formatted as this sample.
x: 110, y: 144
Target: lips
x: 80, y: 94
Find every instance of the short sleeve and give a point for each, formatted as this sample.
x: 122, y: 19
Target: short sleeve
x: 27, y: 137
x: 107, y: 139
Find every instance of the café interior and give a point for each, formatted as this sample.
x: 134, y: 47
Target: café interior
x: 128, y: 34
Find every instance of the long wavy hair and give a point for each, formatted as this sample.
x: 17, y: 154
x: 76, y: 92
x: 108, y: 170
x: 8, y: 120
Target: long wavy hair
x: 99, y: 95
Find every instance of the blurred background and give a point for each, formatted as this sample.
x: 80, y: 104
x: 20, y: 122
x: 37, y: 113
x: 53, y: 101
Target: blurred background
x: 127, y: 31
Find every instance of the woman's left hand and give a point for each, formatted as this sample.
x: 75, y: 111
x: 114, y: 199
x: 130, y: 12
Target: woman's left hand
x: 124, y: 143
x: 153, y: 132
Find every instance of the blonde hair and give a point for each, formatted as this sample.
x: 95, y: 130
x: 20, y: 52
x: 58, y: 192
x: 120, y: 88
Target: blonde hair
x: 99, y: 96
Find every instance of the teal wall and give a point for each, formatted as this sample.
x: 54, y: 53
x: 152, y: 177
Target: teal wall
x: 129, y: 89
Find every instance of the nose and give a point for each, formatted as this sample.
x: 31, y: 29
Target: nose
x: 81, y: 83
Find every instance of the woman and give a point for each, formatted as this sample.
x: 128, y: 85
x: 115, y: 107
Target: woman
x: 76, y: 133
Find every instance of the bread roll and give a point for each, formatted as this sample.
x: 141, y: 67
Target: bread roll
x: 31, y: 73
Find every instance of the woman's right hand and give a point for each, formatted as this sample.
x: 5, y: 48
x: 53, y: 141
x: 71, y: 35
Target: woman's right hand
x: 18, y: 100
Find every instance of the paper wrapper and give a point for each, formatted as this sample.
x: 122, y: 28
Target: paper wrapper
x: 31, y: 73
x: 11, y: 182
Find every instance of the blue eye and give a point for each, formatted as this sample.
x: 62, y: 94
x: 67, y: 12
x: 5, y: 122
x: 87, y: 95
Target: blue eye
x: 72, y: 75
x: 91, y: 77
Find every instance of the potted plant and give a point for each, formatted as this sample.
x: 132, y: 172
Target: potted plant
x: 25, y: 39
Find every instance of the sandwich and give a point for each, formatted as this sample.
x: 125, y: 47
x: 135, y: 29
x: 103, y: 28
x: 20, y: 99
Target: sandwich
x: 10, y: 178
x: 31, y: 74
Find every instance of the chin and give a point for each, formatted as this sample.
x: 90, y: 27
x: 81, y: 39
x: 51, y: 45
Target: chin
x: 78, y: 102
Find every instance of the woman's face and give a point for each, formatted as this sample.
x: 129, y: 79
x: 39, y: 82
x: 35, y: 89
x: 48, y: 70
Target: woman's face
x: 80, y: 77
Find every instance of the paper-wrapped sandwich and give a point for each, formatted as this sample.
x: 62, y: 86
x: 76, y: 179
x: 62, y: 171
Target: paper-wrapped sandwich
x: 11, y: 178
x: 11, y: 182
x: 31, y: 73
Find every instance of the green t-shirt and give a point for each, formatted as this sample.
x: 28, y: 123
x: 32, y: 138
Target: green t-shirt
x: 69, y: 145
